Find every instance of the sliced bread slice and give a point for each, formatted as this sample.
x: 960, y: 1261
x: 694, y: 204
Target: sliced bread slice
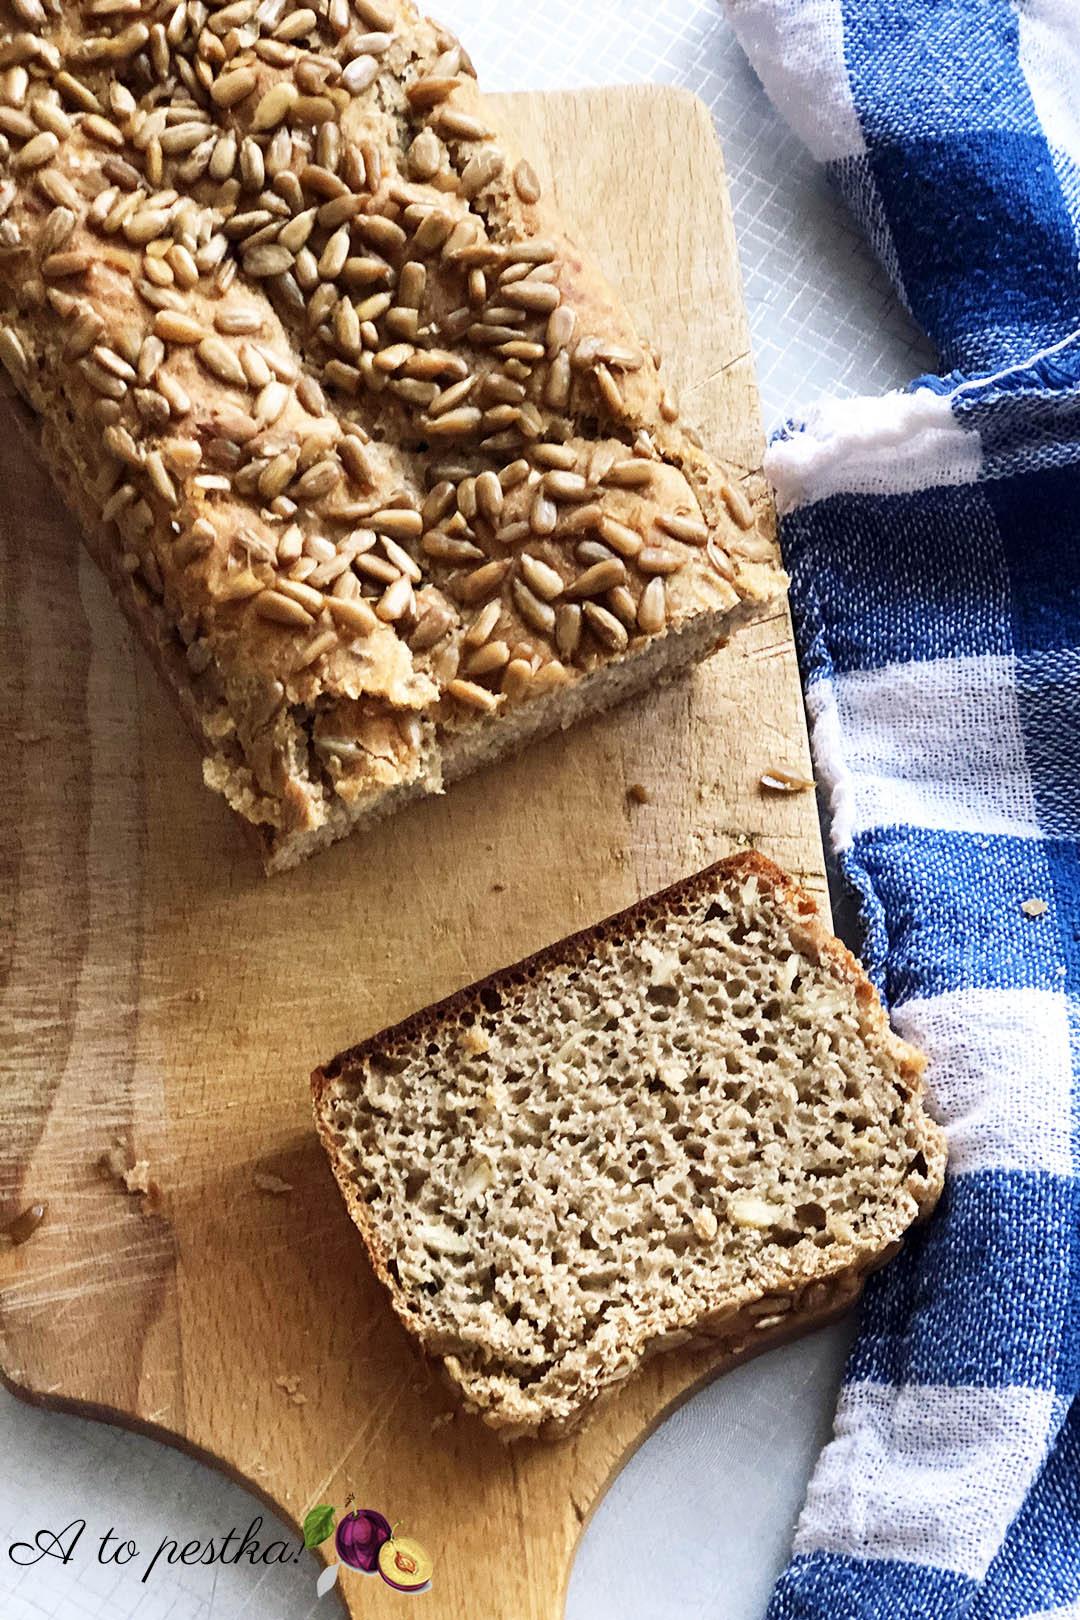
x: 690, y: 1121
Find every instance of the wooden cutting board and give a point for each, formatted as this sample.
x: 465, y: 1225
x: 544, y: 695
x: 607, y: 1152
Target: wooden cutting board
x: 164, y: 1000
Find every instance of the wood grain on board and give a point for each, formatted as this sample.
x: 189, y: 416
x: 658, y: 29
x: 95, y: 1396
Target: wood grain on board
x: 165, y: 1002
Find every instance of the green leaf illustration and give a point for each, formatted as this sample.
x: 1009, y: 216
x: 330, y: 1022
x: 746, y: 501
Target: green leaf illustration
x: 318, y: 1524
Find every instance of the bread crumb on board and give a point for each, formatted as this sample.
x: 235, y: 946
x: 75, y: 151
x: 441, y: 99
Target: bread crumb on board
x: 289, y: 1384
x: 131, y: 1175
x: 638, y: 793
x: 269, y: 1183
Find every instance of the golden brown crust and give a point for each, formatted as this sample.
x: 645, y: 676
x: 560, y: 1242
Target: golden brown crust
x: 372, y: 442
x: 813, y: 1300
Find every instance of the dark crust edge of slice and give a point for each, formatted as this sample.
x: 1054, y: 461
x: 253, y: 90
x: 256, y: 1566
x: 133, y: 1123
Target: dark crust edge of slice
x: 746, y: 863
x: 788, y: 894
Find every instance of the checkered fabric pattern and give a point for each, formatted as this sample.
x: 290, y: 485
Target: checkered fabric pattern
x: 933, y: 539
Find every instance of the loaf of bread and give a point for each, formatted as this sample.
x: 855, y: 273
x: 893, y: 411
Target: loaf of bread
x: 370, y: 453
x: 689, y: 1123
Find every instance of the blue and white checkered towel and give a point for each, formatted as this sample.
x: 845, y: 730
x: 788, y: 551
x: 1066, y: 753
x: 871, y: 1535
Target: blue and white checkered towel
x: 933, y: 539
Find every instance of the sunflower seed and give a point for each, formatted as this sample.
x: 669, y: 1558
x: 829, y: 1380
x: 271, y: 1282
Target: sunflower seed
x: 430, y: 90
x: 481, y: 582
x: 59, y: 266
x: 526, y: 184
x: 692, y: 531
x: 13, y: 355
x: 738, y: 506
x: 605, y: 627
x: 557, y: 381
x: 481, y: 169
x: 281, y: 609
x: 267, y: 259
x: 425, y: 155
x: 472, y: 696
x: 630, y: 473
x: 610, y: 392
x: 658, y: 560
x: 494, y: 655
x: 360, y: 74
x: 543, y: 515
x: 452, y: 121
x: 353, y: 613
x: 396, y: 602
x: 230, y: 88
x: 537, y: 614
x: 538, y: 297
x: 400, y: 523
x: 619, y: 536
x: 483, y: 625
x: 274, y: 106
x: 221, y: 361
x: 543, y: 580
x: 602, y: 576
x: 652, y: 608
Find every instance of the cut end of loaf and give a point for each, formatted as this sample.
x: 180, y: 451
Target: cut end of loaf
x: 690, y: 1123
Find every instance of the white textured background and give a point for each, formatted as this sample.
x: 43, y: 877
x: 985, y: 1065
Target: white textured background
x: 699, y: 1521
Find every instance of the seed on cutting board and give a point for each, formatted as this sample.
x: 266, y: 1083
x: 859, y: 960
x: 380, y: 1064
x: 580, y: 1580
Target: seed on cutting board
x: 778, y: 780
x: 526, y: 184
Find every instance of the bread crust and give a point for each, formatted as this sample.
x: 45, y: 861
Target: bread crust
x: 298, y: 518
x: 817, y: 1299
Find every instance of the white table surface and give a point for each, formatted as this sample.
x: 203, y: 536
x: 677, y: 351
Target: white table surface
x: 699, y: 1522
